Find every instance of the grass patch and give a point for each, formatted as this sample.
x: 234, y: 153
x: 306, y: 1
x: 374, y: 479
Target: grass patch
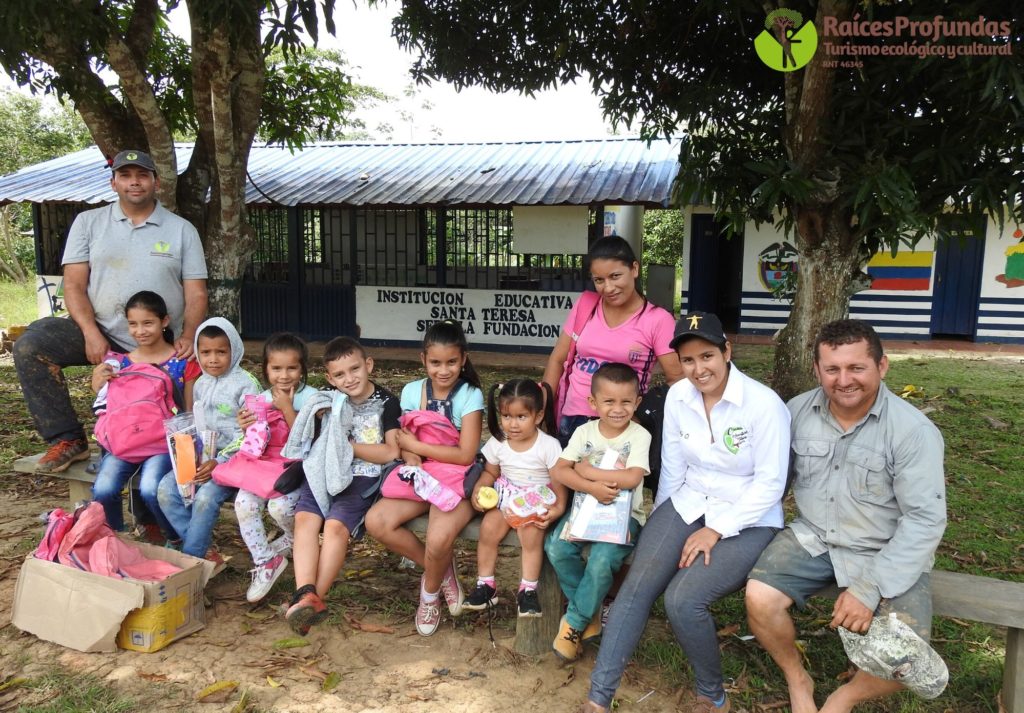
x: 66, y: 692
x: 17, y: 303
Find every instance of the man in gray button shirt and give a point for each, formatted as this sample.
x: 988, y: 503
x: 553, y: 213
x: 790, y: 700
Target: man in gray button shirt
x: 867, y: 476
x: 111, y: 253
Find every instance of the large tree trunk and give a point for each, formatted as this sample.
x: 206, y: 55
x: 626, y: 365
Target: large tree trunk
x: 227, y: 74
x: 827, y: 263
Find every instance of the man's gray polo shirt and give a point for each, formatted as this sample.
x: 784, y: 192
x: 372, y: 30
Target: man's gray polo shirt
x: 874, y: 497
x: 124, y: 259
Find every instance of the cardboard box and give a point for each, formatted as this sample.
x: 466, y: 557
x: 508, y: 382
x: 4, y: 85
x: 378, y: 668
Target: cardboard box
x: 91, y: 612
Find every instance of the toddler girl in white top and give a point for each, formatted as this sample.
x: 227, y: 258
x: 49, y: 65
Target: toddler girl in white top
x: 519, y: 457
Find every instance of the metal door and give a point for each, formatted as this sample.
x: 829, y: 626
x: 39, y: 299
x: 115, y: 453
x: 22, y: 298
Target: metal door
x: 956, y: 288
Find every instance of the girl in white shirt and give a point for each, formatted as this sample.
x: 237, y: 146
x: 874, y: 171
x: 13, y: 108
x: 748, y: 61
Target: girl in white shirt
x: 519, y: 455
x: 725, y: 457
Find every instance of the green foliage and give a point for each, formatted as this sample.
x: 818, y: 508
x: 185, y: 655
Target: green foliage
x: 36, y: 130
x: 663, y: 237
x: 309, y: 96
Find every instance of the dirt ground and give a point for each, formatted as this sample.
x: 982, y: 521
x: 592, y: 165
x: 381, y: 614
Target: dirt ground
x: 456, y: 670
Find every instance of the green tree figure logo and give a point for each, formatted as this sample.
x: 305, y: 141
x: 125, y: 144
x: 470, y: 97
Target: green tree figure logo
x: 787, y: 43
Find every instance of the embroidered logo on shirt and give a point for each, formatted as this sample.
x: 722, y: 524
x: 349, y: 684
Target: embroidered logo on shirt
x: 225, y: 409
x: 734, y: 437
x: 161, y: 249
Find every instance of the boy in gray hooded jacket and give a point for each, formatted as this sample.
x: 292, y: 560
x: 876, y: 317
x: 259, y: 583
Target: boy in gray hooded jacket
x: 217, y: 396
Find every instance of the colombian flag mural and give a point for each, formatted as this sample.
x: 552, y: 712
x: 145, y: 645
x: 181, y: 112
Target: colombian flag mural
x: 906, y: 271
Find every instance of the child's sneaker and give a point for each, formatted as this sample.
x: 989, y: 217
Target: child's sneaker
x: 307, y: 609
x: 428, y: 615
x: 151, y: 533
x: 483, y: 596
x: 594, y: 628
x: 529, y: 604
x: 452, y: 590
x: 567, y: 644
x: 264, y: 576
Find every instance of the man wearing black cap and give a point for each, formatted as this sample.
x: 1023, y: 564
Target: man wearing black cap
x: 111, y: 253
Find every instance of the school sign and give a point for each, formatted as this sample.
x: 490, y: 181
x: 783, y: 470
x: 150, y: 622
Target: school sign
x: 490, y: 317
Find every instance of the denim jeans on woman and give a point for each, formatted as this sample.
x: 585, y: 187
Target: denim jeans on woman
x: 193, y: 523
x: 688, y: 593
x: 111, y: 477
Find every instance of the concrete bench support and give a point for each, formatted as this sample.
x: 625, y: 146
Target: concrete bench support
x: 533, y: 634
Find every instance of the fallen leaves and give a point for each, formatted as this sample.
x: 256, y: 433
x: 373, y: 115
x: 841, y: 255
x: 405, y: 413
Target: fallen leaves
x: 293, y: 642
x: 217, y: 692
x: 330, y: 681
x: 368, y: 627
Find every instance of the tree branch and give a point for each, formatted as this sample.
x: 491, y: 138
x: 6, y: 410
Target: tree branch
x: 138, y: 91
x: 142, y: 28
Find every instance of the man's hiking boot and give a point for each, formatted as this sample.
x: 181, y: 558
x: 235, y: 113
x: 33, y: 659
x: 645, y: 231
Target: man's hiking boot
x: 61, y: 455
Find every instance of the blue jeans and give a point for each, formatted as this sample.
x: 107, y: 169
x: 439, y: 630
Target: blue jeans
x: 688, y: 594
x: 567, y: 425
x: 193, y: 523
x: 111, y: 477
x: 585, y: 583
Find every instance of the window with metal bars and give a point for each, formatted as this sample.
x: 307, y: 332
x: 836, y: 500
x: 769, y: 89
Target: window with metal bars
x: 468, y: 248
x: 52, y: 223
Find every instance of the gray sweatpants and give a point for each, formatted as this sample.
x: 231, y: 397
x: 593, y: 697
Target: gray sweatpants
x: 688, y: 594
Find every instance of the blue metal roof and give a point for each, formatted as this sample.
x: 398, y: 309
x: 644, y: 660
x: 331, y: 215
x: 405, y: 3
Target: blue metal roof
x: 612, y: 171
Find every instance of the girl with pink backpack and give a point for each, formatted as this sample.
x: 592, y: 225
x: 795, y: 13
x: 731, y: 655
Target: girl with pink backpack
x: 142, y: 388
x: 266, y: 420
x: 451, y: 388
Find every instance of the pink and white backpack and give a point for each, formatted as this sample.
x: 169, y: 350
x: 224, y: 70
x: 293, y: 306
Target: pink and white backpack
x: 139, y: 399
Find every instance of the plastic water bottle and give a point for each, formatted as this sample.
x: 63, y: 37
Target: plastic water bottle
x: 434, y: 491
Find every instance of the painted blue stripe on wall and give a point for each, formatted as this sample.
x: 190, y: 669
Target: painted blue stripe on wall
x: 1003, y: 301
x: 1002, y: 326
x: 887, y: 310
x: 1000, y: 313
x: 770, y: 308
x: 897, y: 272
x: 859, y: 297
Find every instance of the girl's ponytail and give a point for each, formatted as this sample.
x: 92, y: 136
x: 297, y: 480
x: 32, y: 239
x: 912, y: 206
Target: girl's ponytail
x: 470, y: 376
x: 548, y: 425
x: 493, y: 417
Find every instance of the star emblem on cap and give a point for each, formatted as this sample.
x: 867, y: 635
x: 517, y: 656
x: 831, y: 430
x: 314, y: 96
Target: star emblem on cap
x: 694, y: 321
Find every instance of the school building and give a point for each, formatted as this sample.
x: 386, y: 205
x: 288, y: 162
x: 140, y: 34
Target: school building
x: 971, y: 287
x: 391, y: 237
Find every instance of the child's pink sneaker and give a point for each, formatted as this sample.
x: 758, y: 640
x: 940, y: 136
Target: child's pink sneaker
x: 428, y: 615
x: 452, y: 590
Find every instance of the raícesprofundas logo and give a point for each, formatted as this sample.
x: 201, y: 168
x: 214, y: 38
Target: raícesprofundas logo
x: 787, y: 43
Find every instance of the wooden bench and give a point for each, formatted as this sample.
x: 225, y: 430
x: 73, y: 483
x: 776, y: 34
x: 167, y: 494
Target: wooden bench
x: 533, y: 634
x: 989, y: 601
x: 79, y: 479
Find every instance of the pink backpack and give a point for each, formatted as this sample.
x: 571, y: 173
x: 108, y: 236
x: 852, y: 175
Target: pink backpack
x: 139, y: 399
x: 58, y: 522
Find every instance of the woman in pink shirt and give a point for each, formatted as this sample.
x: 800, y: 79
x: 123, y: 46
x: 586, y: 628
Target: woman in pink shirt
x: 624, y: 327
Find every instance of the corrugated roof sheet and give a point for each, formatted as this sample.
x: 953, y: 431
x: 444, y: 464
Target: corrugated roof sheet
x: 612, y: 171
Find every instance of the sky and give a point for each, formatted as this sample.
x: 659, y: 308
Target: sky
x: 364, y: 37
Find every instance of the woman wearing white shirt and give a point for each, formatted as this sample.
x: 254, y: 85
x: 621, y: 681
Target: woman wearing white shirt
x: 725, y: 456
